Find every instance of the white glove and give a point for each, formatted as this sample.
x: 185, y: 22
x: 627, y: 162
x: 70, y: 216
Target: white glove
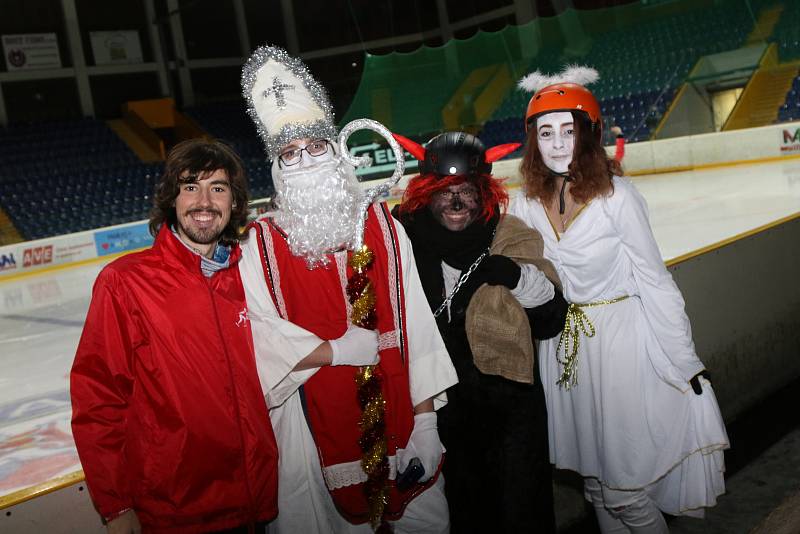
x: 423, y: 444
x: 358, y: 346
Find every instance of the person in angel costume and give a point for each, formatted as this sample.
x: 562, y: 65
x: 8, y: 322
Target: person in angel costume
x: 297, y: 267
x: 630, y: 406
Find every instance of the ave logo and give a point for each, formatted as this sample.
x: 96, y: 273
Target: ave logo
x: 37, y: 256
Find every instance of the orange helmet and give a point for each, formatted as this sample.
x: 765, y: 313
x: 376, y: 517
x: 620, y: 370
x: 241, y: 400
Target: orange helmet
x: 563, y: 97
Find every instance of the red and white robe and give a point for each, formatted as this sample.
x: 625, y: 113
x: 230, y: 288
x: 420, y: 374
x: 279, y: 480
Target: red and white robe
x: 292, y: 310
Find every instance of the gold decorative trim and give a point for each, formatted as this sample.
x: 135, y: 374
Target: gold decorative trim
x: 553, y: 226
x: 575, y: 215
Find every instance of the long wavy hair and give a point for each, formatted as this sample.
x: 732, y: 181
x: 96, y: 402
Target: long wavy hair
x: 591, y: 168
x: 421, y: 188
x: 197, y: 157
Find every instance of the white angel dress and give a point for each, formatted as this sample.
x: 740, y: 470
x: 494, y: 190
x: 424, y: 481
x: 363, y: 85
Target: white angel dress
x: 632, y: 419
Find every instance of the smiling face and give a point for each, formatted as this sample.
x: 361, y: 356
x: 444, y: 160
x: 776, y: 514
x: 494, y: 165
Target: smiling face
x: 203, y: 208
x: 555, y: 133
x: 456, y: 207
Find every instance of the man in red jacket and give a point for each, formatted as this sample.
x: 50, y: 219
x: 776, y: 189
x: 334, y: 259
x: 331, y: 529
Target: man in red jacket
x: 168, y: 417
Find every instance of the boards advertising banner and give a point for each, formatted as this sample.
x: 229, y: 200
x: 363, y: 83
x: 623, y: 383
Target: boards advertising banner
x: 123, y: 238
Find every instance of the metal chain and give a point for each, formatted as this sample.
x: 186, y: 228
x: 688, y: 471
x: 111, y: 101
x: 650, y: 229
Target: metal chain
x: 460, y: 282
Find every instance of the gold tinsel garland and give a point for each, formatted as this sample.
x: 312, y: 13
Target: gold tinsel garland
x: 374, y: 461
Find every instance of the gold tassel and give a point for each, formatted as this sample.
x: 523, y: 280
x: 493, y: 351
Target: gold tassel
x: 576, y: 323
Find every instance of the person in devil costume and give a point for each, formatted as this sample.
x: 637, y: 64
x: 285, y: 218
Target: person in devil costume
x: 629, y: 403
x: 491, y: 290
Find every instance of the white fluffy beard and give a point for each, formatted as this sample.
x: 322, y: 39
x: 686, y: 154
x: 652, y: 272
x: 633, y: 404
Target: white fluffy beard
x: 317, y: 207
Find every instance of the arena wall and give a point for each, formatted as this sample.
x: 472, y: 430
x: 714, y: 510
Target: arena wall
x: 743, y: 300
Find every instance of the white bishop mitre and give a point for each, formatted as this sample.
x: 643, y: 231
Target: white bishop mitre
x: 284, y: 100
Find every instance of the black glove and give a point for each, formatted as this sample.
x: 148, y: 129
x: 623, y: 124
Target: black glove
x: 547, y: 320
x: 695, y: 382
x: 497, y: 270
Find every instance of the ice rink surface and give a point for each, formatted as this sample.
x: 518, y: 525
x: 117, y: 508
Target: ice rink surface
x: 41, y: 316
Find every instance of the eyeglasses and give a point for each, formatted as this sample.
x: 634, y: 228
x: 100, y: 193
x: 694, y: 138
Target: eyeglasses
x: 292, y: 156
x: 465, y: 194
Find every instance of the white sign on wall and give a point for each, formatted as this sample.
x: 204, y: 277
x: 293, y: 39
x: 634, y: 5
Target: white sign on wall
x: 31, y: 51
x: 116, y: 47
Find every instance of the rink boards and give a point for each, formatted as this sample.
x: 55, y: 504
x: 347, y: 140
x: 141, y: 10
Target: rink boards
x: 730, y: 236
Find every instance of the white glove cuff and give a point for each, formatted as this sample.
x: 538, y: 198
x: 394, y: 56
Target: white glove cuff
x: 533, y: 289
x: 335, y: 352
x: 425, y: 421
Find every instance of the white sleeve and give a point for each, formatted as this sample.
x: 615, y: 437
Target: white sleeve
x: 518, y: 207
x: 533, y: 288
x: 431, y: 371
x: 661, y: 299
x: 279, y: 344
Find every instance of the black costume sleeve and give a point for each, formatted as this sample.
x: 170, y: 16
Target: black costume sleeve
x: 548, y: 319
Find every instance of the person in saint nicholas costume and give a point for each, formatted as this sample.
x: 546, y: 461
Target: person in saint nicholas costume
x: 354, y: 457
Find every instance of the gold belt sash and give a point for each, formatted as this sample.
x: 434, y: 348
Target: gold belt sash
x: 575, y: 323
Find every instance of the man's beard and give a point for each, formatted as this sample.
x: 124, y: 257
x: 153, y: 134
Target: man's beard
x: 201, y: 236
x: 317, y: 208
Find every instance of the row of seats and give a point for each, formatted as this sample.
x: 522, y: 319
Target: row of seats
x: 787, y: 31
x: 70, y: 176
x: 787, y: 34
x: 790, y: 109
x: 641, y: 67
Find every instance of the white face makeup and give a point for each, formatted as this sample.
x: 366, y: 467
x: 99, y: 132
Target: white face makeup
x: 556, y: 136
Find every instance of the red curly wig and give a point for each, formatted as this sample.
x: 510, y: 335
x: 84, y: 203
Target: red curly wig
x: 421, y: 189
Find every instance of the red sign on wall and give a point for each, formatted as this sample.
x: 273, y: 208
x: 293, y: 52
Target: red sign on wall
x: 37, y: 256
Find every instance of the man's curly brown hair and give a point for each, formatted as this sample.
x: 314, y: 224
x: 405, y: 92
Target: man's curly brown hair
x: 197, y: 157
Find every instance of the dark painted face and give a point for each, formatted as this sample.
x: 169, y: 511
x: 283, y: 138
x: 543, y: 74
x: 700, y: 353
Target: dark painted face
x: 457, y: 206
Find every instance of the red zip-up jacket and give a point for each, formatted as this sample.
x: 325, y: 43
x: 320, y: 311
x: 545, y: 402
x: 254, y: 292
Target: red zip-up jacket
x: 167, y: 411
